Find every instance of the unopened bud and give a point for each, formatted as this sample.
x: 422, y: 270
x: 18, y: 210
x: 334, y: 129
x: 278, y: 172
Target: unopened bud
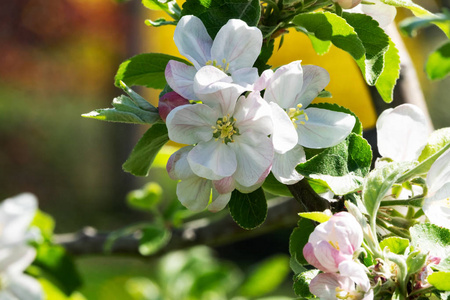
x: 347, y: 4
x: 168, y: 102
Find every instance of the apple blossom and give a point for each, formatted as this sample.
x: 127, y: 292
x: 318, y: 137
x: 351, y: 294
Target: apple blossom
x: 383, y: 13
x: 330, y: 286
x: 347, y: 4
x: 233, y: 51
x: 169, y: 101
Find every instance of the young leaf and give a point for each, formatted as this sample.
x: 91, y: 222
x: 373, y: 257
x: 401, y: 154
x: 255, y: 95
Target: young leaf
x: 143, y: 154
x: 395, y: 244
x: 216, y: 13
x: 317, y: 216
x: 387, y: 80
x: 248, y: 210
x: 438, y: 63
x: 145, y: 69
x: 153, y: 239
x: 321, y: 47
x: 302, y: 281
x: 409, y: 26
x: 440, y: 280
x: 146, y: 198
x: 299, y: 238
x: 45, y: 223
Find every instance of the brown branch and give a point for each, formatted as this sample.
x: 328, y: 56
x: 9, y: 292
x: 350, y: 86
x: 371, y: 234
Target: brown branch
x: 282, y: 213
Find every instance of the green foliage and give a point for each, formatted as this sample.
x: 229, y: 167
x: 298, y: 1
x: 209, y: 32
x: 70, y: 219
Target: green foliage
x: 45, y: 223
x: 266, y: 53
x: 435, y: 239
x: 267, y: 276
x: 387, y: 80
x: 143, y: 154
x: 410, y: 26
x: 299, y: 238
x: 341, y: 167
x: 395, y: 244
x: 54, y: 293
x: 273, y: 186
x: 357, y: 129
x: 438, y: 63
x: 145, y: 69
x: 248, y: 210
x: 321, y: 47
x: 146, y: 198
x: 153, y: 238
x: 416, y: 261
x: 440, y: 280
x: 216, y: 13
x: 315, y: 216
x: 302, y: 281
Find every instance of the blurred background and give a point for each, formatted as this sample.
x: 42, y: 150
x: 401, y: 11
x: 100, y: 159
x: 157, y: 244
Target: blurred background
x: 58, y: 60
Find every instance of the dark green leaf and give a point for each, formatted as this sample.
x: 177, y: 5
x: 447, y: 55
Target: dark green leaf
x: 438, y: 63
x: 302, y: 281
x: 216, y: 13
x: 143, y: 154
x: 266, y: 53
x: 299, y: 238
x: 334, y: 107
x: 153, y: 239
x: 145, y: 69
x: 248, y: 210
x: 341, y: 167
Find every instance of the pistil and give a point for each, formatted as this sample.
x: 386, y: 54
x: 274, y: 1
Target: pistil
x: 225, y: 129
x: 295, y: 114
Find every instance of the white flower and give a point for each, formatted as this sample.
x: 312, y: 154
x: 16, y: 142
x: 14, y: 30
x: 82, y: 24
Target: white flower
x: 330, y: 286
x: 230, y: 137
x: 402, y: 133
x: 233, y: 51
x: 382, y: 13
x: 437, y: 203
x: 16, y: 215
x: 289, y: 91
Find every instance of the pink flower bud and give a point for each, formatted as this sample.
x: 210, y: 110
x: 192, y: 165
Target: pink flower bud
x: 347, y: 4
x: 168, y: 102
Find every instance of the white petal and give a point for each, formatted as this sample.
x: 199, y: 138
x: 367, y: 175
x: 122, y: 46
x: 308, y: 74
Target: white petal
x: 402, y: 132
x: 238, y: 44
x: 437, y: 207
x: 245, y: 77
x: 15, y: 259
x: 315, y: 79
x: 194, y: 193
x: 193, y: 41
x: 263, y: 81
x: 212, y: 160
x: 439, y: 173
x: 283, y: 167
x: 16, y: 214
x: 285, y: 85
x: 324, y: 128
x: 284, y: 135
x: 355, y: 271
x: 219, y: 202
x: 178, y: 166
x: 190, y: 124
x: 324, y: 285
x: 253, y: 115
x: 225, y: 185
x: 382, y: 13
x: 180, y: 77
x: 25, y: 287
x: 254, y: 156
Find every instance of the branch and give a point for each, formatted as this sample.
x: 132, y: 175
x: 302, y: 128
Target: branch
x: 282, y: 213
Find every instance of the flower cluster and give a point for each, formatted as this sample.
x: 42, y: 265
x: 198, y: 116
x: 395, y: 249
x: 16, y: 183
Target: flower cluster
x: 241, y: 125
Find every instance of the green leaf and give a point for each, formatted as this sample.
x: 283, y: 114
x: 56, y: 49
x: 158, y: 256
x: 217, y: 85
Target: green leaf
x: 216, y: 13
x: 45, y: 223
x: 302, y: 281
x: 248, y: 210
x: 145, y: 69
x: 438, y: 63
x: 317, y: 216
x: 395, y: 244
x: 146, y: 198
x: 335, y: 107
x: 378, y: 183
x: 435, y: 239
x: 321, y: 47
x: 341, y: 167
x: 266, y: 53
x: 440, y: 280
x: 143, y: 154
x: 54, y: 293
x: 409, y: 26
x: 415, y: 261
x: 122, y: 232
x: 267, y: 276
x: 299, y: 238
x: 155, y: 4
x: 58, y: 267
x: 273, y: 186
x: 153, y: 239
x: 387, y: 80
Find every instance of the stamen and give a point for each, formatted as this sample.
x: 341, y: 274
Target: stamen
x: 225, y: 129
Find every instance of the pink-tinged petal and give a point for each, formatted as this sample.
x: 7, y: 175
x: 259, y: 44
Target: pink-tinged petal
x: 285, y: 85
x: 324, y: 128
x: 245, y: 77
x: 315, y: 79
x: 24, y: 287
x: 238, y: 44
x: 352, y: 234
x: 356, y: 272
x: 329, y: 256
x: 180, y: 77
x: 402, y: 132
x: 177, y: 166
x: 252, y: 188
x: 194, y: 193
x: 225, y: 185
x: 253, y: 115
x: 168, y: 102
x: 190, y: 124
x: 382, y: 13
x: 283, y: 167
x: 219, y: 202
x: 193, y: 41
x: 439, y: 173
x: 284, y: 135
x: 263, y: 81
x: 347, y: 4
x: 213, y: 160
x: 16, y: 214
x: 308, y: 254
x: 437, y: 207
x: 254, y: 155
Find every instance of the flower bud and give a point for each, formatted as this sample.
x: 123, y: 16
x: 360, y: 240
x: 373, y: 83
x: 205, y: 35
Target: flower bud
x: 168, y: 102
x: 347, y: 4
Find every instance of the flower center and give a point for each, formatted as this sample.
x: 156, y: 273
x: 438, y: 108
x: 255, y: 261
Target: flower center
x: 297, y: 115
x: 343, y: 294
x: 225, y: 129
x: 222, y: 67
x: 335, y: 245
